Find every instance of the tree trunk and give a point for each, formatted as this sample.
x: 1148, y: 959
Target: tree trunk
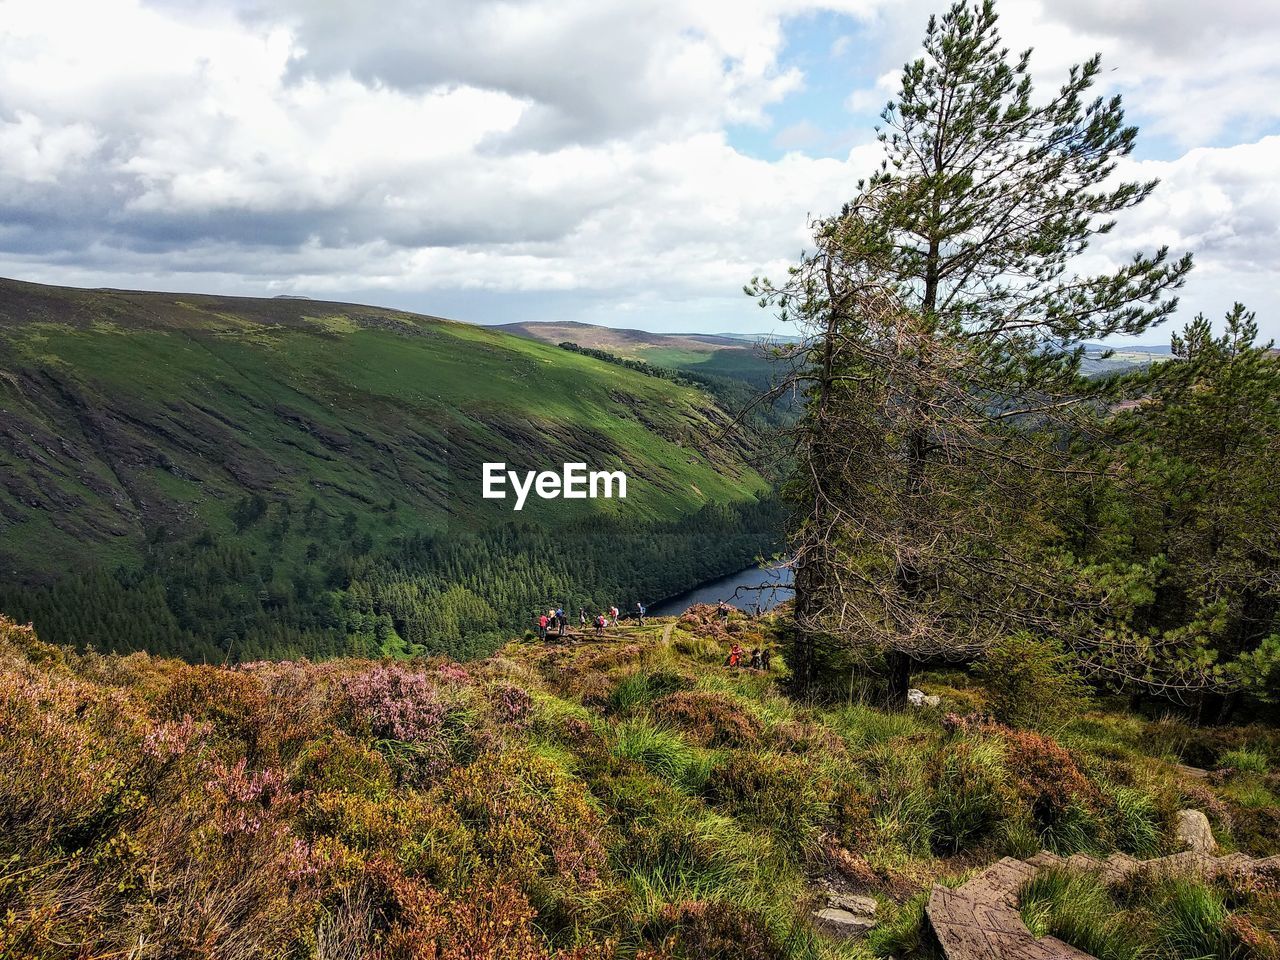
x: 898, y: 680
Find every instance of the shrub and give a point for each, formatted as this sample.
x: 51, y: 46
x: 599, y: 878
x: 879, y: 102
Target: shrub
x: 716, y: 931
x: 783, y: 793
x: 527, y: 814
x: 491, y: 919
x: 232, y: 702
x: 709, y: 719
x: 340, y: 762
x: 1058, y: 797
x: 511, y: 705
x: 1033, y: 682
x: 396, y: 703
x: 969, y: 792
x: 1244, y: 761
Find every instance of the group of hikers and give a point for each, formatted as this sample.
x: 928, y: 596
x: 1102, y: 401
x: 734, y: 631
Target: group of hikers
x: 555, y: 622
x: 759, y: 659
x: 556, y: 619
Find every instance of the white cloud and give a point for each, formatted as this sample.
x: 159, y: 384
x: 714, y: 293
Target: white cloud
x: 568, y: 149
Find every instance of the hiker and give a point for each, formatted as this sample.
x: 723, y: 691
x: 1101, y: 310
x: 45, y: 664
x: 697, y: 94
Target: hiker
x: 562, y: 622
x: 601, y: 621
x: 641, y: 610
x: 764, y: 659
x: 613, y: 616
x: 756, y: 662
x: 582, y: 618
x: 735, y: 656
x: 542, y: 627
x: 724, y: 610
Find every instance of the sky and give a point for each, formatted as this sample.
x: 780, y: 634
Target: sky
x: 626, y: 163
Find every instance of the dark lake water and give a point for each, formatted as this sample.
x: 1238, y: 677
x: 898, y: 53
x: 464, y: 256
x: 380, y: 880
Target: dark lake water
x: 734, y: 589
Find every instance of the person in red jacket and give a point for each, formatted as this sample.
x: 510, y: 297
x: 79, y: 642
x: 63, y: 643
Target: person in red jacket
x: 542, y: 627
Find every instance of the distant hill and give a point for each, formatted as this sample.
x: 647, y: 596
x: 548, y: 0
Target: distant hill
x: 726, y: 355
x: 134, y: 425
x: 1101, y: 359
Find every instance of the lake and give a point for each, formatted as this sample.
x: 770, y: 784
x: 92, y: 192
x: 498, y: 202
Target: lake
x: 735, y: 589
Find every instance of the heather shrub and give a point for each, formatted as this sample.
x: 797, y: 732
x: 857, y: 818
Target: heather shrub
x: 1033, y: 682
x: 782, y: 793
x: 340, y: 762
x: 715, y: 931
x: 300, y: 704
x: 232, y: 702
x: 67, y: 750
x: 396, y: 703
x: 529, y: 816
x: 1059, y: 798
x: 423, y: 835
x: 19, y: 644
x: 405, y: 712
x: 709, y: 719
x: 510, y: 705
x: 492, y: 918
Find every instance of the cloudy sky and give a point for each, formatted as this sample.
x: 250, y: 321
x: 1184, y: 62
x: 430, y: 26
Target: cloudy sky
x: 630, y: 163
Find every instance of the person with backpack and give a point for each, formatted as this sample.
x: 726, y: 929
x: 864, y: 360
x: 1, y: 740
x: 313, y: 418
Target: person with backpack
x: 562, y: 622
x: 724, y: 610
x: 601, y: 622
x: 641, y: 610
x: 757, y: 663
x: 613, y: 616
x: 735, y: 656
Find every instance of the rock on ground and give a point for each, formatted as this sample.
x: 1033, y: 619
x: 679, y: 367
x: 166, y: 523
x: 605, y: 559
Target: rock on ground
x: 918, y: 698
x: 1194, y: 832
x: 842, y: 922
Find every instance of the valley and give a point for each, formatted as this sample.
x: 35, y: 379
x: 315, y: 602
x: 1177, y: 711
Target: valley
x: 255, y: 462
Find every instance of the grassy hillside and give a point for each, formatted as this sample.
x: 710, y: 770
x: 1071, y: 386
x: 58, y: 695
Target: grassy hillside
x: 710, y: 354
x: 133, y: 425
x: 631, y: 797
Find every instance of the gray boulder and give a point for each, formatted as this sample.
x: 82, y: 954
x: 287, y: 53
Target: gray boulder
x: 1194, y: 833
x: 842, y: 922
x: 918, y: 698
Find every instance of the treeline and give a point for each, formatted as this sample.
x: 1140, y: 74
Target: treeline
x: 1178, y: 527
x: 326, y: 591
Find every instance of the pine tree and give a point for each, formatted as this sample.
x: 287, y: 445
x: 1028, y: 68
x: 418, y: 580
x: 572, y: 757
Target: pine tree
x: 944, y: 337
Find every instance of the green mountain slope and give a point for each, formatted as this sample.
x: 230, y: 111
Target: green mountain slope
x: 292, y: 429
x: 714, y: 355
